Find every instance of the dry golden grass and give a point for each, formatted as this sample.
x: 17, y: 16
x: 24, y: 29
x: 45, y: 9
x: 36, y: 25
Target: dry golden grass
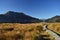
x: 55, y: 27
x: 16, y: 31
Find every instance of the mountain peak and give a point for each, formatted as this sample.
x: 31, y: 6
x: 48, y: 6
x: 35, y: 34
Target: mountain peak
x: 57, y: 16
x: 10, y: 11
x: 54, y: 19
x: 17, y: 17
x: 14, y: 13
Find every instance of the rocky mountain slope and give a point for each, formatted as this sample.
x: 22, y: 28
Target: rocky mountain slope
x: 53, y: 19
x: 16, y: 17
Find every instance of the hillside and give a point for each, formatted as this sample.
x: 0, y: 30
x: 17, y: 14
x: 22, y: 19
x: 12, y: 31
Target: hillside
x: 16, y: 17
x: 53, y: 19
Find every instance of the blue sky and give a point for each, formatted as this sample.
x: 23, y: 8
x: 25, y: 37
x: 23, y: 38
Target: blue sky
x: 36, y: 8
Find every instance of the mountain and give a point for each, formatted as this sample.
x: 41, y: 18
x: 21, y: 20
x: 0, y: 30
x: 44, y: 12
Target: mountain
x: 16, y: 17
x: 53, y: 19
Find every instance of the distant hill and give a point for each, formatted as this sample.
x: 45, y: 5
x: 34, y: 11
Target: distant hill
x: 16, y: 17
x: 53, y: 19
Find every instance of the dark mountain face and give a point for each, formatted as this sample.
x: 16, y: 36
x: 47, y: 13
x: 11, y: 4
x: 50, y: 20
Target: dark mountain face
x: 54, y: 19
x: 15, y: 17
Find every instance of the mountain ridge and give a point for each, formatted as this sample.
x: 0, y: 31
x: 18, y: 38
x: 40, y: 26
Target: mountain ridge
x: 20, y: 17
x: 53, y: 19
x: 17, y: 17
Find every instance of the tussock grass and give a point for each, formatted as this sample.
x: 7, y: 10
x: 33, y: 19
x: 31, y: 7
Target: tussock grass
x: 54, y: 27
x: 17, y: 31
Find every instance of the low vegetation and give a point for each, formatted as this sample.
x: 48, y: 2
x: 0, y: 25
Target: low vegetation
x: 16, y: 31
x: 54, y: 27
